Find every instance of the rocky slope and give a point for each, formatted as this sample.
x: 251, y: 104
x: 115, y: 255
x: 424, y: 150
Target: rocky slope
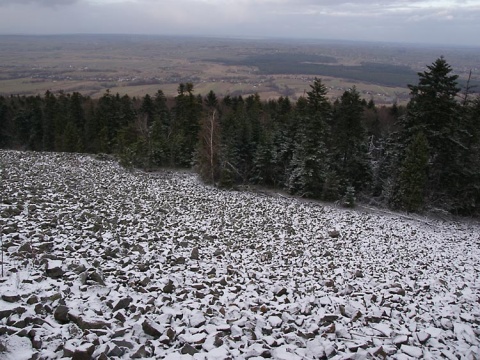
x: 104, y: 263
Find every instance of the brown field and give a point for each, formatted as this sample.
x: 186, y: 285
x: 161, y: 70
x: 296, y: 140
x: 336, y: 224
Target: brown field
x: 137, y: 65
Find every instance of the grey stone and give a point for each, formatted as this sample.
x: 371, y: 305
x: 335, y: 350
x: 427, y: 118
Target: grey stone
x: 90, y: 324
x: 83, y: 278
x: 329, y: 318
x: 170, y: 333
x: 116, y: 352
x: 122, y: 303
x: 61, y: 314
x: 32, y: 300
x: 11, y: 298
x: 55, y: 272
x: 423, y: 337
x: 281, y: 292
x: 98, y: 278
x: 46, y: 246
x: 6, y: 313
x: 397, y: 291
x: 120, y: 317
x: 78, y: 269
x: 169, y: 288
x: 195, y: 254
x: 151, y: 328
x: 123, y: 343
x: 141, y: 353
x: 83, y: 352
x: 333, y: 233
x: 26, y: 247
x: 218, y: 253
x: 188, y: 349
x: 180, y: 260
x: 400, y: 340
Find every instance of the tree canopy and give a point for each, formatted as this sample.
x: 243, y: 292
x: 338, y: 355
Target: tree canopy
x: 422, y: 156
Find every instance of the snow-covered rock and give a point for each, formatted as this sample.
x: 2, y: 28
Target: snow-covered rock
x: 104, y: 262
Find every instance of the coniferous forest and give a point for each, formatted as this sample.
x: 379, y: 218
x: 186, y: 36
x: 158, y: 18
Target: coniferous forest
x: 425, y: 155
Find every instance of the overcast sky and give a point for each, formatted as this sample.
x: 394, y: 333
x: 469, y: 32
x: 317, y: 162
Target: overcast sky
x: 412, y: 21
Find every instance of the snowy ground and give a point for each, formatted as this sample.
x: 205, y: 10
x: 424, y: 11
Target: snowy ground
x: 104, y: 263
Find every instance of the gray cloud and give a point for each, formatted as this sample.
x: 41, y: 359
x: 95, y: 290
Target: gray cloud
x: 48, y: 3
x: 431, y: 21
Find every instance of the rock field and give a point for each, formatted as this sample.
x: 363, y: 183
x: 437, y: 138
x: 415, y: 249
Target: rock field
x: 104, y: 263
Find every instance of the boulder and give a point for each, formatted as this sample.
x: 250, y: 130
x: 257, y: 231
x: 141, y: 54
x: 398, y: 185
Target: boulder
x: 11, y: 298
x: 188, y: 349
x: 78, y: 351
x: 6, y: 313
x: 53, y: 269
x: 169, y: 288
x: 123, y: 343
x: 61, y: 314
x: 195, y: 254
x: 152, y: 329
x: 141, y: 353
x: 96, y: 277
x: 333, y: 233
x: 26, y: 247
x: 122, y: 303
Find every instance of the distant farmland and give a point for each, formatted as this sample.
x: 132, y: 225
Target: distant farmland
x: 137, y: 65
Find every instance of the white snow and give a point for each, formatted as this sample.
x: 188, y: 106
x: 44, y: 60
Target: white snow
x: 17, y: 348
x: 269, y: 280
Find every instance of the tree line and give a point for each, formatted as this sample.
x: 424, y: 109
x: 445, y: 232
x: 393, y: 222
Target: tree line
x: 420, y: 156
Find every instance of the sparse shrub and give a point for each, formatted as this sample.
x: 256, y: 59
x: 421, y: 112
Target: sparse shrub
x: 127, y: 158
x: 226, y: 179
x: 413, y: 174
x: 331, y: 187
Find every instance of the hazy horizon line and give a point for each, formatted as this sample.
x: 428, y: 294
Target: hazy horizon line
x: 245, y: 37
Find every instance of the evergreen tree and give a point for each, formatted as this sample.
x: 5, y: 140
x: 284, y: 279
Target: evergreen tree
x: 185, y: 126
x: 92, y: 127
x: 349, y: 142
x: 109, y: 119
x: 27, y: 123
x: 4, y: 124
x: 71, y: 138
x: 77, y: 118
x: 49, y: 111
x: 236, y: 159
x: 467, y: 196
x: 283, y: 140
x: 160, y: 131
x: 310, y: 161
x: 413, y: 174
x: 433, y: 110
x: 148, y: 109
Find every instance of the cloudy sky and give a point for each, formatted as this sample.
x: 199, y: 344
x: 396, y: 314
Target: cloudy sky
x: 413, y: 21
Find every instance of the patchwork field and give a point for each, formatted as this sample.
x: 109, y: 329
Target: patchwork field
x: 103, y: 262
x: 137, y: 65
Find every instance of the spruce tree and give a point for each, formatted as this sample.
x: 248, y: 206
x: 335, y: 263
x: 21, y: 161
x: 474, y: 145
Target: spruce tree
x: 310, y: 160
x: 349, y: 142
x: 434, y: 110
x: 413, y: 174
x: 49, y: 109
x: 185, y: 126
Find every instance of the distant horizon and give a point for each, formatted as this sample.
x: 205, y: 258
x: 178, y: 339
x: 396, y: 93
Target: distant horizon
x: 253, y: 38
